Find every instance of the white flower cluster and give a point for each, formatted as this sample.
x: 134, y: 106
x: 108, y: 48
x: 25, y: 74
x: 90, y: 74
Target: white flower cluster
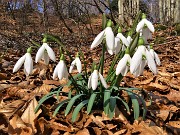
x: 114, y: 45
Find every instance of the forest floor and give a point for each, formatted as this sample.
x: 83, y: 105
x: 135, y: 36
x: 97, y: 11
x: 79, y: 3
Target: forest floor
x: 19, y: 94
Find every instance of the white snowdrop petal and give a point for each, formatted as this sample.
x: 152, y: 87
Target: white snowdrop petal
x: 61, y: 69
x: 156, y: 57
x: 151, y: 62
x: 117, y: 46
x: 66, y: 73
x: 136, y: 59
x: 28, y: 64
x: 94, y: 80
x: 39, y: 53
x: 98, y: 39
x: 122, y: 64
x: 72, y: 66
x: 124, y: 71
x: 110, y: 51
x: 78, y: 64
x: 140, y: 25
x: 89, y: 82
x: 123, y: 39
x: 103, y: 81
x: 46, y: 58
x: 109, y: 38
x: 50, y: 52
x: 152, y: 52
x: 149, y: 25
x: 141, y: 67
x: 55, y: 73
x: 19, y: 63
x: 129, y: 39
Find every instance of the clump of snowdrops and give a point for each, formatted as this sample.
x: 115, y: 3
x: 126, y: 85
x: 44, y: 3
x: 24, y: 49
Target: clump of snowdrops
x: 91, y: 89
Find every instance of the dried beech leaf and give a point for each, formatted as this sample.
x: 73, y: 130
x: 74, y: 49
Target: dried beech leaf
x: 17, y: 126
x: 29, y: 115
x: 3, y: 76
x: 156, y: 86
x: 10, y: 109
x: 174, y: 124
x: 44, y: 89
x: 83, y: 132
x: 120, y: 132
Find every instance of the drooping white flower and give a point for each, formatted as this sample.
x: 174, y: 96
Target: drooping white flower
x: 145, y: 27
x: 155, y: 56
x: 109, y: 35
x: 60, y: 70
x: 28, y: 63
x: 137, y: 63
x: 93, y: 80
x: 144, y: 23
x: 76, y: 62
x: 45, y: 52
x: 123, y: 64
x: 120, y: 41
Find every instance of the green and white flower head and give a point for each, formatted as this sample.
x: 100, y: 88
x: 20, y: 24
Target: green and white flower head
x: 60, y: 70
x: 45, y: 53
x: 124, y: 64
x: 120, y: 38
x: 28, y: 63
x: 76, y: 62
x: 139, y: 59
x: 154, y: 55
x: 109, y: 36
x: 93, y: 80
x: 145, y: 27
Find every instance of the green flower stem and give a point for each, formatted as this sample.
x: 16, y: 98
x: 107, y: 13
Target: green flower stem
x: 85, y: 65
x: 119, y: 55
x: 102, y: 60
x: 118, y: 80
x: 133, y: 44
x: 136, y: 21
x: 35, y: 43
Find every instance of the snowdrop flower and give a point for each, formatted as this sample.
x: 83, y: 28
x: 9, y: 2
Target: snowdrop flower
x: 109, y: 35
x: 45, y: 52
x: 154, y: 55
x: 146, y: 27
x: 137, y: 61
x: 93, y: 80
x: 60, y: 70
x: 123, y: 64
x: 28, y: 63
x: 76, y: 62
x: 120, y: 38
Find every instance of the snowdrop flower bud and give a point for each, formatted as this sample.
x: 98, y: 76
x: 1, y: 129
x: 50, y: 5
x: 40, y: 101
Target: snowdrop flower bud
x: 76, y: 62
x: 45, y: 52
x: 61, y: 69
x: 109, y: 35
x: 28, y: 63
x: 154, y: 55
x: 93, y: 80
x: 123, y: 64
x: 139, y: 59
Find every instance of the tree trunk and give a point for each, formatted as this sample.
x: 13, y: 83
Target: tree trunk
x: 161, y: 10
x: 121, y: 10
x: 177, y: 12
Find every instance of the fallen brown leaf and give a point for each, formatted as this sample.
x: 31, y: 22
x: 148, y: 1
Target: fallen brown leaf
x: 29, y: 115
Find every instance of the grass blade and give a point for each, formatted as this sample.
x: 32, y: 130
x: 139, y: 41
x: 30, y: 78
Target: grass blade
x: 59, y: 106
x: 112, y: 105
x: 91, y: 102
x: 71, y: 102
x: 106, y: 101
x: 77, y: 109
